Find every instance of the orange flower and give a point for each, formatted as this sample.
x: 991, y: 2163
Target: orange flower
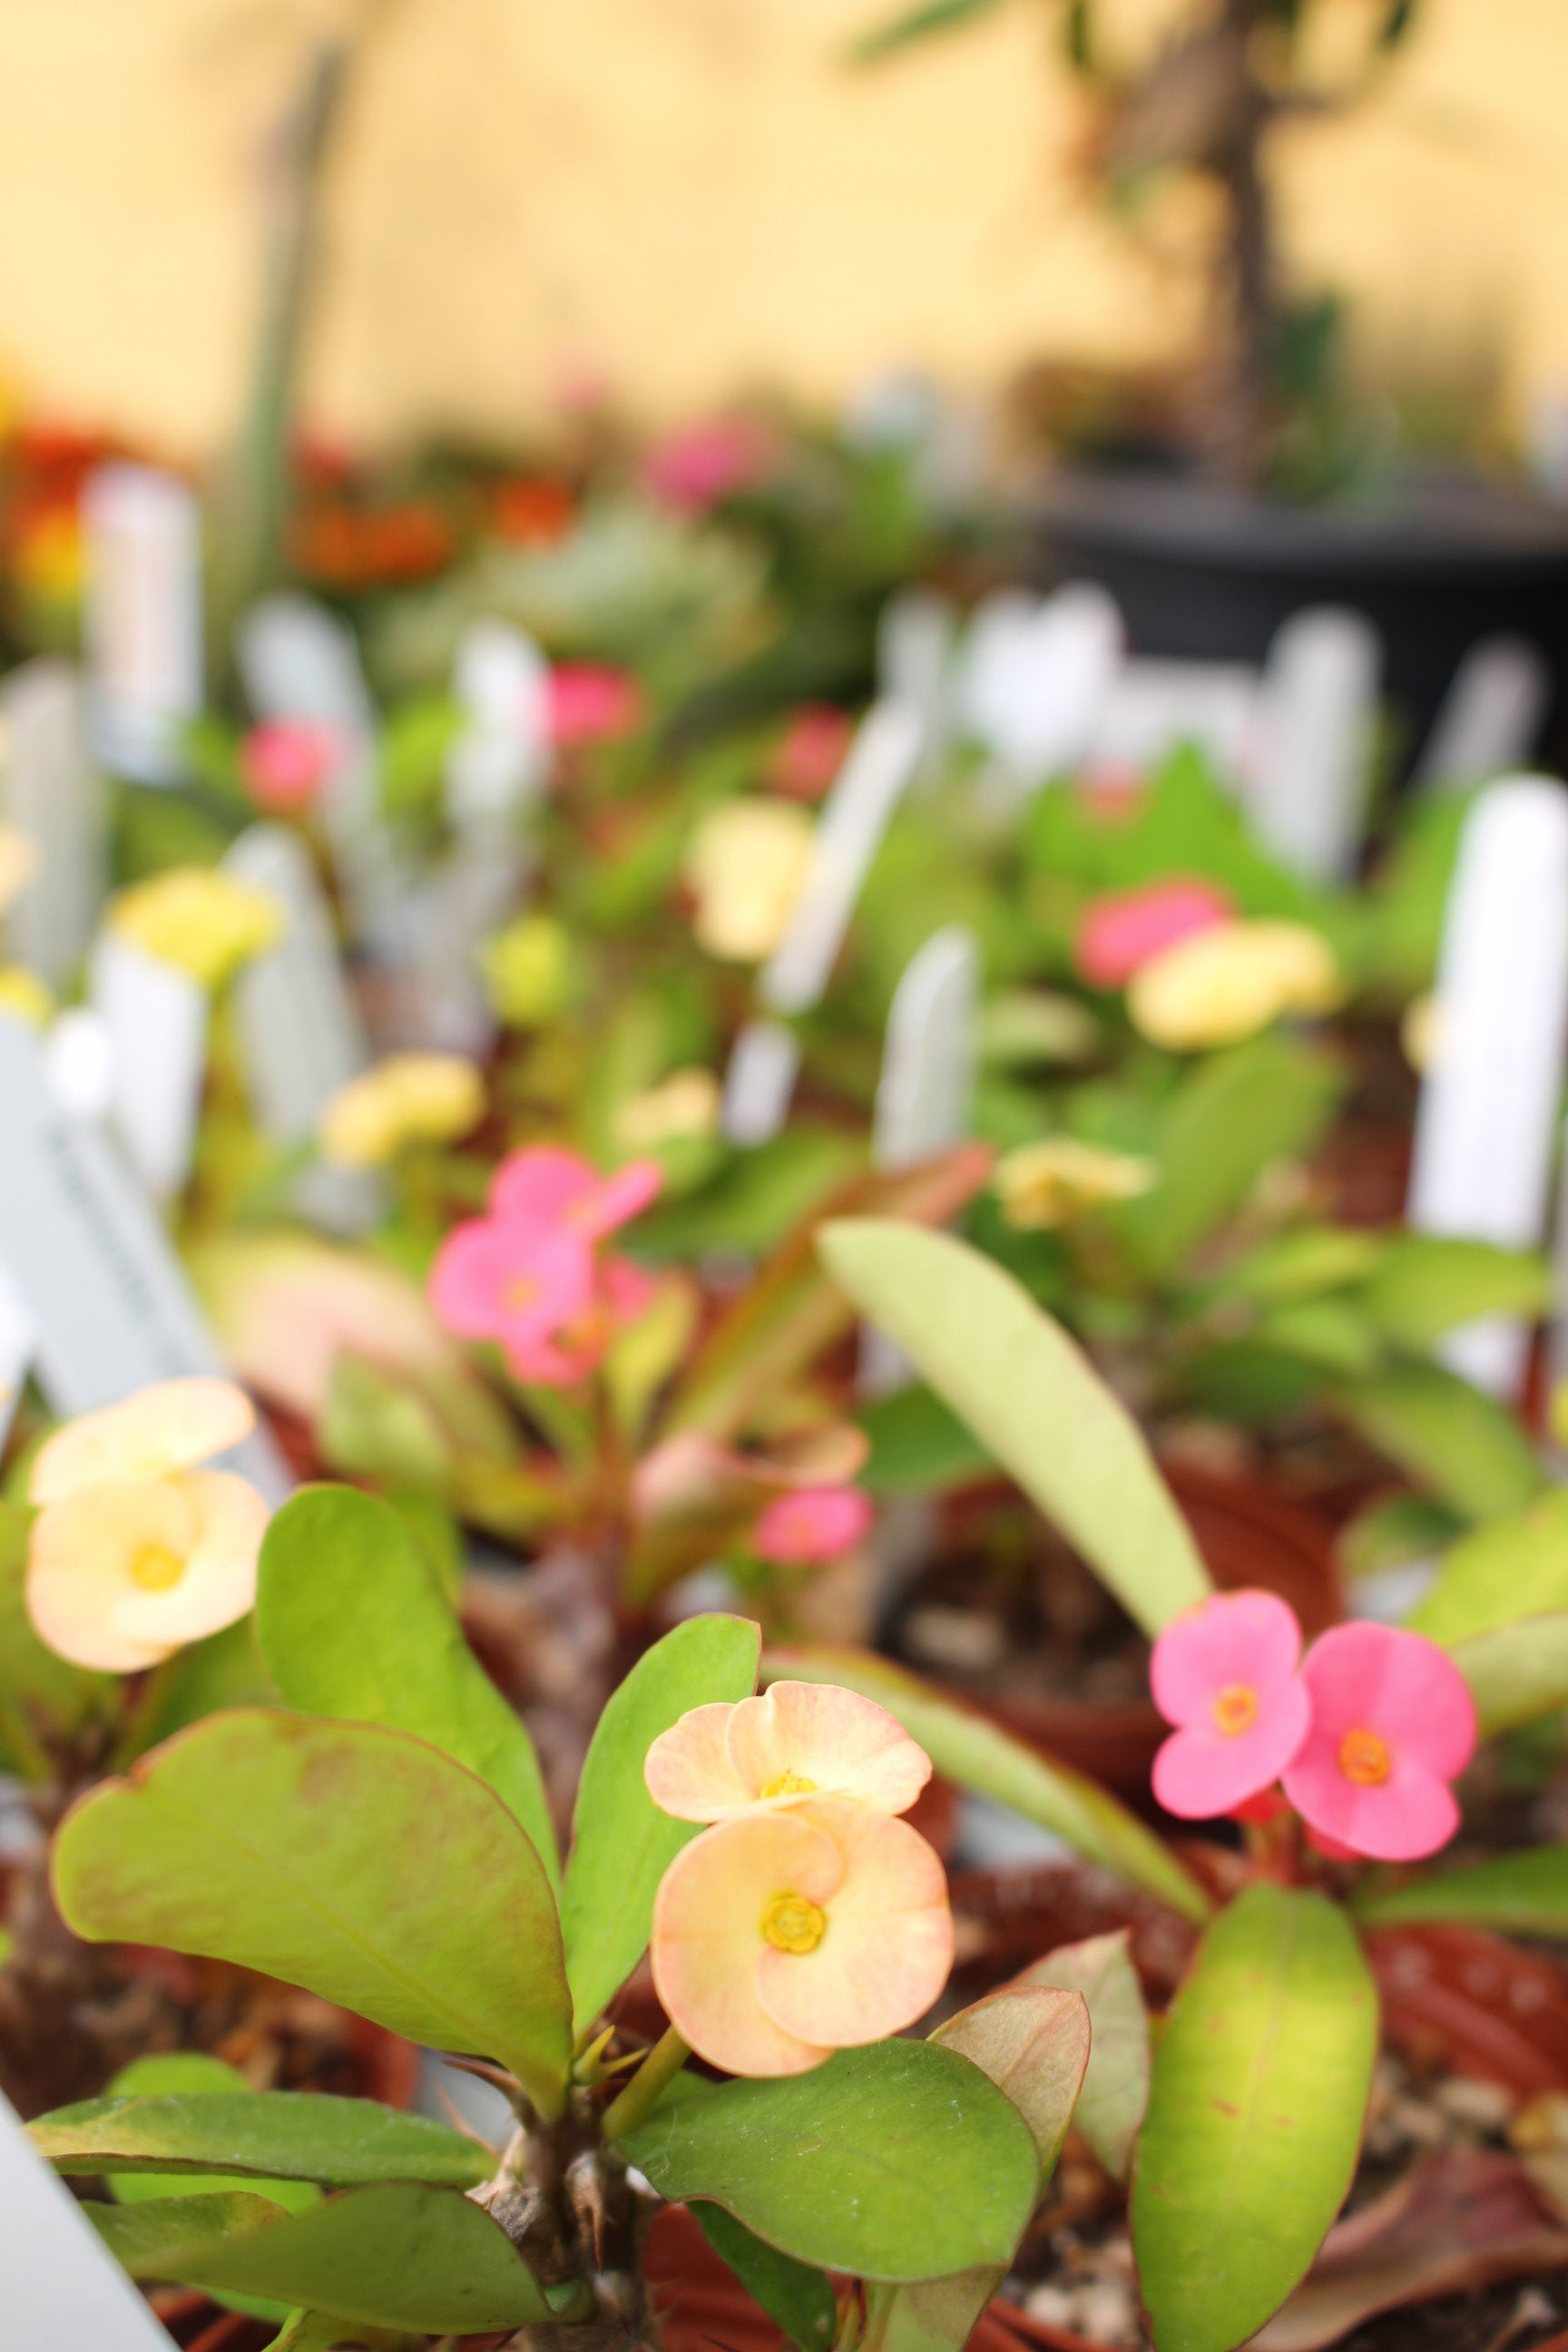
x: 135, y: 1551
x: 780, y: 1936
x: 799, y: 1740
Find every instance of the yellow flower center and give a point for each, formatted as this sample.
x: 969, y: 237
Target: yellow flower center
x: 1235, y: 1708
x: 788, y: 1784
x: 520, y: 1292
x: 1364, y: 1758
x: 155, y: 1567
x: 791, y: 1924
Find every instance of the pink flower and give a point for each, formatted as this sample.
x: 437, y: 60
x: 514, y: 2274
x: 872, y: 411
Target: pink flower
x: 811, y: 1525
x: 1392, y: 1723
x: 811, y: 752
x: 285, y: 762
x: 528, y: 1274
x: 591, y: 703
x: 1225, y: 1674
x: 1119, y: 933
x: 690, y: 470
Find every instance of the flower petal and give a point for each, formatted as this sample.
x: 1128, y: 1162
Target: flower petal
x: 219, y: 1582
x: 541, y: 1186
x: 1411, y: 1815
x: 619, y: 1198
x: 688, y: 1767
x: 162, y: 1429
x: 707, y: 1935
x: 1250, y: 1638
x: 845, y: 1745
x: 79, y: 1555
x: 1399, y: 1685
x: 888, y: 1951
x: 812, y: 1524
x: 1199, y: 1773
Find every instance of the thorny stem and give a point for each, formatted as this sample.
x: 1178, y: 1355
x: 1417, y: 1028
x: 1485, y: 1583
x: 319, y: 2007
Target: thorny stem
x: 661, y: 2065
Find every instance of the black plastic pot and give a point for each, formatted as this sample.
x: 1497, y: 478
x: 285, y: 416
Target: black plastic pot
x: 1204, y: 574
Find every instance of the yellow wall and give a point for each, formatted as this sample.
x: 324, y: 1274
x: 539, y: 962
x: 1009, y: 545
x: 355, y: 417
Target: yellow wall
x: 685, y: 196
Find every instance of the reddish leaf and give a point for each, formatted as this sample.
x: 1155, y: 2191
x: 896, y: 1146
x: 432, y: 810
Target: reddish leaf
x: 1474, y: 2004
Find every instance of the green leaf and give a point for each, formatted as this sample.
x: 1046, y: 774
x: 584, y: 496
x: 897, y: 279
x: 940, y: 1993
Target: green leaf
x: 42, y: 1698
x: 897, y: 2161
x: 1515, y: 1567
x: 224, y: 1671
x: 1033, y: 2043
x: 622, y: 1844
x: 356, y: 1862
x: 1331, y: 1333
x: 1261, y: 2084
x: 271, y: 2134
x: 1526, y: 1893
x: 1116, y: 2087
x: 917, y: 25
x: 1425, y: 1284
x: 783, y: 1320
x: 1516, y: 1673
x: 990, y: 1762
x: 1446, y: 1435
x: 919, y: 1446
x: 1230, y: 1119
x: 1033, y: 1400
x: 1303, y: 1263
x: 396, y: 2254
x: 799, y: 2297
x: 353, y: 1623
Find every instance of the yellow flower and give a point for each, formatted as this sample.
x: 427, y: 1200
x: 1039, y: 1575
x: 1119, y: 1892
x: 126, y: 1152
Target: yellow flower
x: 407, y: 1098
x: 18, y: 863
x: 22, y: 993
x: 202, y: 921
x: 135, y: 1550
x: 685, y: 1104
x: 1420, y: 1031
x: 1057, y: 1181
x: 744, y: 865
x: 528, y: 970
x: 1219, y: 985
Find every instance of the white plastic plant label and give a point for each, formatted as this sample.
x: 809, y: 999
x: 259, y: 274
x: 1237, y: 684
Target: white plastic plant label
x: 18, y: 1338
x: 1307, y: 788
x: 501, y: 760
x: 1486, y: 1123
x: 51, y: 790
x: 143, y: 618
x: 299, y: 662
x: 915, y: 639
x: 155, y: 1019
x: 109, y: 1302
x: 759, y: 1083
x: 64, y: 2291
x: 925, y: 1094
x: 1155, y: 706
x: 300, y: 1036
x: 1490, y: 715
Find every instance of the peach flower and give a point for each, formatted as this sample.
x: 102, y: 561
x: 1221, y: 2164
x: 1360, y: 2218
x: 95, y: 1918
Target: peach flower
x: 798, y: 1740
x: 136, y: 1551
x: 779, y: 1937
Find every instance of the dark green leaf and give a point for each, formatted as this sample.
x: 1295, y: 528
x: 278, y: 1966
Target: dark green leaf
x: 919, y: 1446
x: 899, y: 2160
x: 976, y: 1754
x: 272, y: 2135
x: 41, y: 1697
x: 1261, y: 2084
x: 395, y: 2255
x: 799, y: 2297
x: 1032, y: 1398
x: 622, y: 1844
x: 353, y: 1623
x: 356, y: 1862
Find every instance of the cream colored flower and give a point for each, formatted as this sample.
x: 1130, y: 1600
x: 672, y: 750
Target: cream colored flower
x: 1219, y: 985
x: 685, y: 1104
x: 744, y: 867
x: 200, y: 921
x: 23, y: 995
x: 135, y: 1550
x: 1420, y: 1031
x: 407, y: 1098
x: 18, y: 863
x: 1055, y: 1183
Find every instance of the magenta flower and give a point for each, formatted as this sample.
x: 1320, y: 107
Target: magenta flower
x: 285, y: 762
x: 1225, y: 1674
x: 1392, y: 1723
x: 588, y: 702
x: 690, y: 470
x: 813, y: 750
x: 528, y: 1273
x: 811, y: 1525
x: 1125, y: 929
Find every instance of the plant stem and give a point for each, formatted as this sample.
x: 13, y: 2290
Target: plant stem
x: 661, y: 2065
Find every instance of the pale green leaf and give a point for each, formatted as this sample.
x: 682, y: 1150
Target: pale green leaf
x: 1516, y: 1673
x: 1446, y: 1435
x: 1514, y: 1567
x: 1116, y: 2087
x: 1525, y: 1893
